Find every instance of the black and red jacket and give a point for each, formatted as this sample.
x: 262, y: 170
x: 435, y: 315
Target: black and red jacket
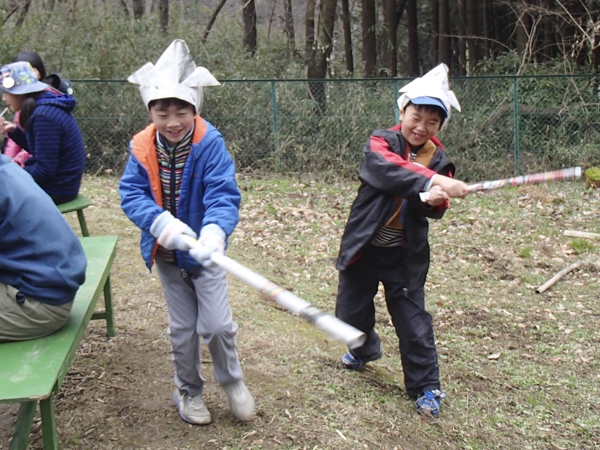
x: 386, y: 173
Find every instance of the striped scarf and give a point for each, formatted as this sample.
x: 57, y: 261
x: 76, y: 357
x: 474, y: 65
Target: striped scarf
x: 171, y: 161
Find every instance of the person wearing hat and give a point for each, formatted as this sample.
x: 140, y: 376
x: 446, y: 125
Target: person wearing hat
x: 11, y: 148
x: 180, y: 182
x: 406, y: 178
x: 49, y: 131
x: 42, y: 262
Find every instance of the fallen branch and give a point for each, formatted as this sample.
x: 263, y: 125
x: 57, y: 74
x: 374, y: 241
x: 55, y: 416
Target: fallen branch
x: 581, y: 234
x: 552, y: 281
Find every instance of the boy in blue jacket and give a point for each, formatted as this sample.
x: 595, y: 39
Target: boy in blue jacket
x: 406, y: 178
x: 180, y: 181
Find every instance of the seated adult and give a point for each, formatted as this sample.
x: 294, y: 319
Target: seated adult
x: 49, y: 131
x: 42, y: 263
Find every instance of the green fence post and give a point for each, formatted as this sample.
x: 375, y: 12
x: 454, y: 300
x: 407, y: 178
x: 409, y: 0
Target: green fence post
x: 516, y: 125
x: 275, y: 117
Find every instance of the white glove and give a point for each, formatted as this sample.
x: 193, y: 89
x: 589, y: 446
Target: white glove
x: 169, y: 232
x: 212, y: 239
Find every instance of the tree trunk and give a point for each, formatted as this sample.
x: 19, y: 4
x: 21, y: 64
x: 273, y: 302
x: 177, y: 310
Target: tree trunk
x: 309, y: 28
x: 413, y: 39
x: 392, y: 11
x: 212, y: 19
x: 472, y: 26
x: 163, y: 9
x: 435, y: 31
x: 317, y: 67
x: 523, y: 28
x: 444, y: 52
x: 138, y: 9
x: 288, y: 27
x: 124, y: 7
x: 20, y: 8
x: 249, y: 19
x: 369, y: 50
x: 487, y: 34
x: 347, y: 36
x: 462, y: 38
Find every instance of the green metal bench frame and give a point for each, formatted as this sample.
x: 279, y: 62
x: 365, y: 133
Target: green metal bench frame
x: 32, y: 371
x: 78, y: 204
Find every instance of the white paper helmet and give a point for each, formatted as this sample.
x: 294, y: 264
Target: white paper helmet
x: 175, y: 75
x: 432, y: 88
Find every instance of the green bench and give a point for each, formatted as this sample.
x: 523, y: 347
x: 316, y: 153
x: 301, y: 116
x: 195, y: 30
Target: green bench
x: 78, y: 204
x: 32, y: 371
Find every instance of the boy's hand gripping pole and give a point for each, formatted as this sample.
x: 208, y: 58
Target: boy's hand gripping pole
x: 334, y: 327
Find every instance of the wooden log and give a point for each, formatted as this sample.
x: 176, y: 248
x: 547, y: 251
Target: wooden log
x: 581, y: 234
x: 552, y: 281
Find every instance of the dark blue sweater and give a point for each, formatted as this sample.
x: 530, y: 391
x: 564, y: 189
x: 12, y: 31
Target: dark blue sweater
x: 40, y: 255
x: 54, y: 139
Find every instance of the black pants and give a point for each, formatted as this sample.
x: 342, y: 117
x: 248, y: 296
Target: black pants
x: 62, y: 198
x: 358, y: 286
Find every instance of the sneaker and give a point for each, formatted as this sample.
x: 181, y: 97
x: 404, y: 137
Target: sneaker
x: 350, y: 362
x: 429, y: 402
x: 191, y: 409
x: 241, y: 403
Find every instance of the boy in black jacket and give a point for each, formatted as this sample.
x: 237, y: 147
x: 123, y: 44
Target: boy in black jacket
x: 406, y: 178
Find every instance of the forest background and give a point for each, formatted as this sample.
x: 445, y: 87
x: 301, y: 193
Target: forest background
x: 305, y: 82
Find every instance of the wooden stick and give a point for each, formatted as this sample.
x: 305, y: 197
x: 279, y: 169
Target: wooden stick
x: 581, y: 234
x: 552, y: 281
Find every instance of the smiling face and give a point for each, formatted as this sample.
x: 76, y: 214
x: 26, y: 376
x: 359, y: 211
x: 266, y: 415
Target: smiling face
x: 172, y: 119
x: 419, y: 124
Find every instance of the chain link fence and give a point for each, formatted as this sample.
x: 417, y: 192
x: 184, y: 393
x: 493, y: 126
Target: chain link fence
x: 508, y: 125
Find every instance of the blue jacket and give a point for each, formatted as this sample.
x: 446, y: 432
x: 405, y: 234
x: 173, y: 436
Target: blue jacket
x: 54, y: 139
x: 40, y: 255
x: 209, y: 192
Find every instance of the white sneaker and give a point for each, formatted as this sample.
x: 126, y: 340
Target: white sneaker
x: 191, y: 409
x: 241, y: 403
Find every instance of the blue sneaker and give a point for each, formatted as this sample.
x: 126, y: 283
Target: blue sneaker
x: 350, y: 362
x: 429, y: 402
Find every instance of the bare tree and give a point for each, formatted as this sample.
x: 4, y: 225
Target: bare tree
x: 444, y: 50
x: 20, y: 8
x: 163, y: 9
x: 473, y: 33
x: 288, y: 27
x: 249, y: 20
x: 369, y: 47
x: 435, y: 30
x: 212, y: 19
x: 124, y: 7
x: 317, y: 67
x: 138, y: 9
x: 309, y: 30
x: 347, y: 36
x: 413, y: 39
x: 392, y: 12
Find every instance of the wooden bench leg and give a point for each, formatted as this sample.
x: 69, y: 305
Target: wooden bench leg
x: 22, y: 431
x: 48, y: 424
x: 82, y: 223
x: 110, y: 325
x: 107, y: 314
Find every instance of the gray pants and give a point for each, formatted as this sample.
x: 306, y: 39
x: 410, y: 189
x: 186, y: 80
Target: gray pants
x: 198, y: 308
x: 28, y: 318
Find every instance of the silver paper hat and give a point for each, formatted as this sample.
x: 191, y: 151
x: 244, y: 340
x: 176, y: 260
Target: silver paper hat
x: 175, y: 75
x: 433, y: 84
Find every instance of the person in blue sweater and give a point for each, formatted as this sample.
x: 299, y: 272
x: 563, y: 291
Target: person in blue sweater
x: 42, y: 263
x: 180, y: 182
x: 49, y: 131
